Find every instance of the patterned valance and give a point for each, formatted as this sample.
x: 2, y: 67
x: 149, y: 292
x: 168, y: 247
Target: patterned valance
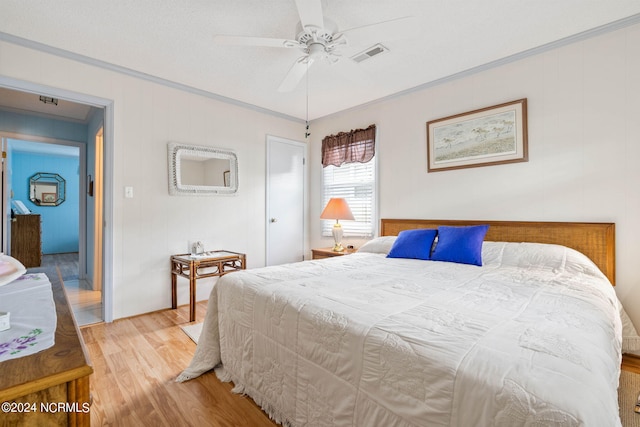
x: 357, y: 146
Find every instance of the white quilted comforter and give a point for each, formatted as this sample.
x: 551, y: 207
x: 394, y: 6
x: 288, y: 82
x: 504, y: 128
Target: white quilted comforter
x: 532, y: 338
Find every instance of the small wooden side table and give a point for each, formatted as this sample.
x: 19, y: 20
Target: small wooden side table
x: 329, y: 252
x: 194, y: 267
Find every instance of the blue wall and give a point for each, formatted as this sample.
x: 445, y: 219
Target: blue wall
x: 60, y: 230
x: 42, y: 126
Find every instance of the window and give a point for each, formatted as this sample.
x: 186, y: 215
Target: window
x: 354, y: 178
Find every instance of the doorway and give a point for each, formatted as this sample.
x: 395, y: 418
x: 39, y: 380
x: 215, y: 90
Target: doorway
x: 45, y: 235
x: 95, y: 244
x: 286, y: 196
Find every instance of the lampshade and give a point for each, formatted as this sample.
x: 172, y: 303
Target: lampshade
x: 337, y: 208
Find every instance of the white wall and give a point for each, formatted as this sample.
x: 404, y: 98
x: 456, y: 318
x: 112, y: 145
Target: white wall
x: 583, y: 150
x: 584, y: 147
x: 153, y: 225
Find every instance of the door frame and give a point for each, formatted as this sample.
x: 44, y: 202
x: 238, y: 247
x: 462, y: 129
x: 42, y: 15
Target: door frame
x: 82, y: 207
x: 305, y: 198
x: 108, y: 159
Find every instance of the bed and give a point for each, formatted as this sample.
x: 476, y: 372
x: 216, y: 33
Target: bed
x: 531, y: 337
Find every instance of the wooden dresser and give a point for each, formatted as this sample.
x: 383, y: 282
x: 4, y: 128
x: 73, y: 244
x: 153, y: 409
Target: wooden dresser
x: 57, y: 377
x: 26, y: 240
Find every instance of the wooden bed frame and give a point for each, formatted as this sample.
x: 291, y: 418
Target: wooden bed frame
x: 594, y: 239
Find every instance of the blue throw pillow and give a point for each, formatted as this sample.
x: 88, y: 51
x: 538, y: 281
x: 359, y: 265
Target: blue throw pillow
x: 415, y: 244
x: 460, y: 244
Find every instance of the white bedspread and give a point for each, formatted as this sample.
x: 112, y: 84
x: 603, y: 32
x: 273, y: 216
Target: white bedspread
x: 531, y: 338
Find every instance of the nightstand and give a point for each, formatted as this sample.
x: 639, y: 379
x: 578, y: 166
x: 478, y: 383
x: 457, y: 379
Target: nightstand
x: 628, y: 389
x: 329, y: 252
x: 631, y: 363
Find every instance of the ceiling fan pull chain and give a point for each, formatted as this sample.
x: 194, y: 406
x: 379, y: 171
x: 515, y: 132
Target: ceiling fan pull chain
x: 307, y: 134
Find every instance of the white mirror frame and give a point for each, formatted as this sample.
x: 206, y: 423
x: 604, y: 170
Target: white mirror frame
x: 176, y: 188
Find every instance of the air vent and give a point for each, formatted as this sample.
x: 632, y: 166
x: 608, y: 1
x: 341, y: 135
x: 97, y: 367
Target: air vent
x: 369, y: 53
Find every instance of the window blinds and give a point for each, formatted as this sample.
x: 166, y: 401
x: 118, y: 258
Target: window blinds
x: 353, y: 180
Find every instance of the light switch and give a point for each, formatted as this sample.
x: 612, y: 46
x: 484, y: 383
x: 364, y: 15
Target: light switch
x: 128, y: 192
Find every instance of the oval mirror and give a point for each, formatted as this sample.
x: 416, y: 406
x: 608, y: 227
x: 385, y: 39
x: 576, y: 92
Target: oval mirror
x: 47, y: 189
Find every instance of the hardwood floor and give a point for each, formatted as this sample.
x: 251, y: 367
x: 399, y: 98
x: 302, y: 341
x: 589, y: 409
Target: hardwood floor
x: 136, y: 361
x: 67, y: 263
x: 85, y: 302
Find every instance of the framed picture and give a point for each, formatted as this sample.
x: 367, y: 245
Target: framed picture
x: 49, y: 197
x: 490, y: 136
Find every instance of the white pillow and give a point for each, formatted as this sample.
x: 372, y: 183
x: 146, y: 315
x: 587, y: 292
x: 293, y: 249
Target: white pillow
x: 379, y: 245
x: 10, y: 269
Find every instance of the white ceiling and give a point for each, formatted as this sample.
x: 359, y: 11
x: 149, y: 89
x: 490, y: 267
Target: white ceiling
x: 173, y: 40
x: 21, y: 102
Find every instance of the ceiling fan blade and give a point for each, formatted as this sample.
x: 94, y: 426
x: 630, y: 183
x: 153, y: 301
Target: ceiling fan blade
x: 393, y: 29
x: 254, y: 41
x: 295, y: 74
x: 310, y: 12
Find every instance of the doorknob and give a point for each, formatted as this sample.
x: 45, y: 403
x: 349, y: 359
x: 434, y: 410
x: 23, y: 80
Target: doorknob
x: 274, y: 220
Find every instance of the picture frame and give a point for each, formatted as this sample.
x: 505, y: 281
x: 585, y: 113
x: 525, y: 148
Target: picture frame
x: 488, y: 136
x: 49, y: 197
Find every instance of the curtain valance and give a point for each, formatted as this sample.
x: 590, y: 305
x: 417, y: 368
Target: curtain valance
x: 357, y: 146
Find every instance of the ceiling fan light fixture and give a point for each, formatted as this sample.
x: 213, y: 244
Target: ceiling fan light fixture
x: 319, y: 38
x: 316, y: 50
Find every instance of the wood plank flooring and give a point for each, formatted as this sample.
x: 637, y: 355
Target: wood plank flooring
x: 85, y: 302
x: 136, y: 361
x: 67, y: 263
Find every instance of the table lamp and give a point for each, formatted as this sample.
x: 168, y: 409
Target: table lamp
x: 337, y: 209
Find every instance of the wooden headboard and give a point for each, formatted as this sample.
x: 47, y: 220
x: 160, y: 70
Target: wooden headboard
x: 594, y: 239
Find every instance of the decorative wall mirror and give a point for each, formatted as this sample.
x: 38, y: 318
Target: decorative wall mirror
x: 200, y: 171
x: 47, y: 189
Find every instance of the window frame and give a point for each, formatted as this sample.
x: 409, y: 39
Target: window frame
x: 327, y: 225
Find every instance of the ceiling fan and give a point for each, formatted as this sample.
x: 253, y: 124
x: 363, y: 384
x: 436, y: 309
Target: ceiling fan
x: 319, y: 39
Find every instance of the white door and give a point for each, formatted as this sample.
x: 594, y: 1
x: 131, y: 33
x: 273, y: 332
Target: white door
x: 285, y: 200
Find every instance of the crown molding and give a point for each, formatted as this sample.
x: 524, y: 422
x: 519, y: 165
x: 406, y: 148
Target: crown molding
x: 594, y: 32
x: 30, y: 44
x: 603, y: 29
